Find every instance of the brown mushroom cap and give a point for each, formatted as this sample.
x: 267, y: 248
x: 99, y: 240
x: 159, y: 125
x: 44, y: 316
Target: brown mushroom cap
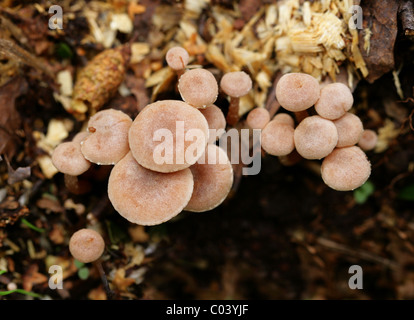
x: 216, y: 121
x: 108, y: 139
x: 212, y: 180
x: 350, y: 129
x: 198, y: 87
x: 368, y: 140
x: 336, y: 99
x: 346, y: 169
x: 86, y: 245
x: 297, y: 91
x: 147, y: 197
x: 236, y: 84
x: 177, y: 58
x: 284, y: 118
x: 166, y: 115
x: 258, y: 118
x: 68, y: 159
x: 277, y: 138
x: 315, y: 137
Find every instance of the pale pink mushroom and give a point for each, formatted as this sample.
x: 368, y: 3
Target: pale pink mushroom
x: 68, y: 159
x: 368, y: 140
x: 346, y: 169
x: 108, y: 139
x: 86, y: 245
x: 216, y: 121
x: 198, y: 88
x: 284, y: 118
x: 349, y: 128
x: 277, y: 138
x: 147, y: 197
x: 213, y: 178
x: 236, y: 85
x: 258, y: 118
x: 177, y: 59
x: 297, y: 91
x: 335, y: 100
x: 168, y: 136
x: 315, y: 137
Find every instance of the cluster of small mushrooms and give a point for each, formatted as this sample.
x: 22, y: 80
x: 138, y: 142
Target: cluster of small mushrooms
x: 327, y: 131
x: 149, y: 192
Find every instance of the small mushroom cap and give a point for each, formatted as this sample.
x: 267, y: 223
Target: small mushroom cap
x: 350, y: 129
x: 86, y: 245
x: 198, y: 87
x: 297, y: 91
x: 346, y: 169
x: 80, y: 136
x: 147, y: 197
x: 336, y: 99
x: 315, y: 137
x: 368, y: 140
x: 177, y: 58
x: 108, y: 139
x: 166, y: 116
x: 258, y: 118
x: 216, y: 121
x: 236, y: 84
x: 285, y: 119
x: 277, y: 138
x: 213, y: 178
x: 68, y: 159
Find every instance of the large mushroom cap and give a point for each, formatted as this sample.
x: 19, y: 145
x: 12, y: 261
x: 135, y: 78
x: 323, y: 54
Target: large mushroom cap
x: 172, y: 124
x: 297, y: 91
x: 258, y: 118
x: 198, y: 87
x: 147, y: 197
x: 108, y: 139
x: 277, y: 138
x: 315, y: 137
x: 213, y: 178
x: 236, y: 84
x: 335, y: 100
x: 68, y: 159
x: 216, y: 121
x: 177, y: 58
x: 350, y: 129
x: 346, y: 169
x: 86, y: 245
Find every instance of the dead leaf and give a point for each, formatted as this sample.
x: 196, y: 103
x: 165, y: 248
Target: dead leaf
x: 33, y: 277
x: 9, y: 117
x: 381, y: 18
x: 120, y: 282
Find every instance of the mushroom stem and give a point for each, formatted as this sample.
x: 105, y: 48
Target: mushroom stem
x: 76, y: 186
x: 98, y: 265
x: 301, y: 115
x: 233, y: 114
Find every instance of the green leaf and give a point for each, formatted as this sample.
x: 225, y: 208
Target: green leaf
x: 63, y: 51
x: 83, y: 273
x: 31, y: 226
x: 2, y: 272
x: 362, y: 194
x: 407, y: 193
x: 27, y: 293
x: 78, y: 264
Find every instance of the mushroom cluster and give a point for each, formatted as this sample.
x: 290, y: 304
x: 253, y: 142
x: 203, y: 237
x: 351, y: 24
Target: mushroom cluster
x: 164, y: 161
x: 325, y: 130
